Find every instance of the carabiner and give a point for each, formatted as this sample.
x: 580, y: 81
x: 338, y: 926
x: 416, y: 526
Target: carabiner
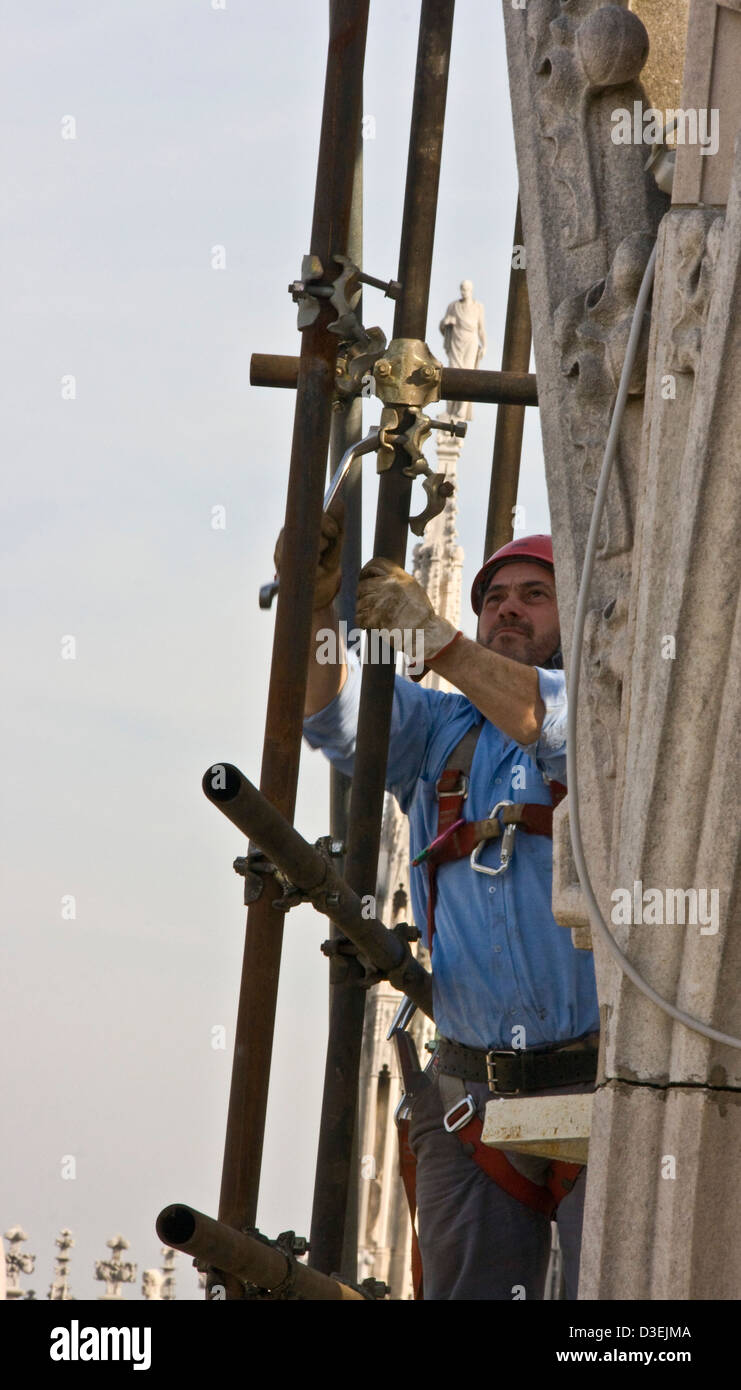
x: 508, y: 846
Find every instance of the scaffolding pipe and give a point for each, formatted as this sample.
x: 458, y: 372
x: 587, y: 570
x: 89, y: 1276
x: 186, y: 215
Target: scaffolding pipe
x: 333, y: 1173
x: 246, y: 1258
x: 516, y: 388
x: 347, y: 429
x: 505, y: 464
x: 261, y: 963
x: 311, y: 873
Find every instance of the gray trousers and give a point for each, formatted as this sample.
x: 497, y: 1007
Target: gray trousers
x: 476, y: 1241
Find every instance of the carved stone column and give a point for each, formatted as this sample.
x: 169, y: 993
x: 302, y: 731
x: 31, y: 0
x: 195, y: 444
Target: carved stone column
x: 667, y: 1124
x: 589, y: 217
x: 658, y: 745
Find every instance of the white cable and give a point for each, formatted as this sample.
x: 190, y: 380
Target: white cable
x: 595, y: 916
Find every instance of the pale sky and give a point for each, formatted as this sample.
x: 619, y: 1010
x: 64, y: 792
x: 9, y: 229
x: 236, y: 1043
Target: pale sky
x: 193, y: 128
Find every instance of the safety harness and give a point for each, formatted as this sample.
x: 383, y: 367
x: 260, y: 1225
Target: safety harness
x: 457, y: 838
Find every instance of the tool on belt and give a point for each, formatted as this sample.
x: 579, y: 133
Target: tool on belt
x: 413, y: 1081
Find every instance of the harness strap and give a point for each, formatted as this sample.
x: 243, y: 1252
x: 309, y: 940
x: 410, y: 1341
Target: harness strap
x: 560, y: 1176
x: 452, y: 785
x: 457, y: 838
x: 408, y: 1172
x: 462, y: 837
x: 452, y: 790
x: 559, y: 1179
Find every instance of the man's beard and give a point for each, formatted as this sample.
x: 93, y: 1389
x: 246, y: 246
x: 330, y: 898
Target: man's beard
x: 522, y: 647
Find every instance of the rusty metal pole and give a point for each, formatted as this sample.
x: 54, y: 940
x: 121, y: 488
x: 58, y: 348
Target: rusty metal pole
x: 366, y: 807
x: 456, y: 383
x: 245, y: 1258
x: 505, y: 464
x: 261, y: 965
x: 347, y: 429
x: 313, y: 877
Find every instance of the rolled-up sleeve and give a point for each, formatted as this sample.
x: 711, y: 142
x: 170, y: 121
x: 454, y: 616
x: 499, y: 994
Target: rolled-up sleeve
x: 333, y: 729
x: 549, y: 750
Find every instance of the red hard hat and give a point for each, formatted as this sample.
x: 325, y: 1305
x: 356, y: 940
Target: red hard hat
x: 536, y: 548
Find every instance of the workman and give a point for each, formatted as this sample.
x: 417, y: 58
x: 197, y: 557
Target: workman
x: 509, y: 987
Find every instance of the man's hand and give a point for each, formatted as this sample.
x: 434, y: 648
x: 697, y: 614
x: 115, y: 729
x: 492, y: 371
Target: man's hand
x: 329, y: 572
x: 390, y: 598
x: 506, y: 692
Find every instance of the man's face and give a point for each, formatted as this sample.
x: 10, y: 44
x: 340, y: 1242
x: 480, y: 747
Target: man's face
x: 466, y: 289
x: 519, y: 616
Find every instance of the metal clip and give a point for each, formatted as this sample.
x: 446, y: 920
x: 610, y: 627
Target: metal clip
x: 461, y: 788
x: 454, y: 1120
x: 355, y: 363
x: 438, y: 488
x: 508, y: 845
x: 253, y: 867
x: 306, y: 294
x: 343, y: 294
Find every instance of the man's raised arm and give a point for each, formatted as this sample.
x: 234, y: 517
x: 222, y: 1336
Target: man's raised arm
x: 324, y: 679
x: 506, y: 692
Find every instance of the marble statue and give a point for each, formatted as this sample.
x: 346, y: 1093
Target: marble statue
x: 464, y: 335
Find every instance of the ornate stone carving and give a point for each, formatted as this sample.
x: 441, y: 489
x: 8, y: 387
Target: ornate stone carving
x: 60, y: 1290
x: 567, y: 899
x: 668, y: 1090
x: 605, y: 644
x: 152, y: 1284
x: 698, y: 248
x: 168, y: 1274
x: 579, y: 49
x: 17, y: 1263
x: 591, y: 331
x: 114, y: 1271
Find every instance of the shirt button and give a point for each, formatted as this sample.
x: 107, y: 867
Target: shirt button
x: 497, y: 781
x: 497, y: 948
x: 492, y: 888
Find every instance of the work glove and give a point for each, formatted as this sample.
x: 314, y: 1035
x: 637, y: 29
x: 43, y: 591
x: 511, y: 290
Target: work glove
x: 390, y: 598
x: 329, y: 569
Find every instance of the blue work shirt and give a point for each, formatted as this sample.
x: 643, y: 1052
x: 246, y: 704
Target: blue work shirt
x: 500, y: 961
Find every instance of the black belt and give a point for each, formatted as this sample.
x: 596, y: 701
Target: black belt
x: 517, y: 1071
